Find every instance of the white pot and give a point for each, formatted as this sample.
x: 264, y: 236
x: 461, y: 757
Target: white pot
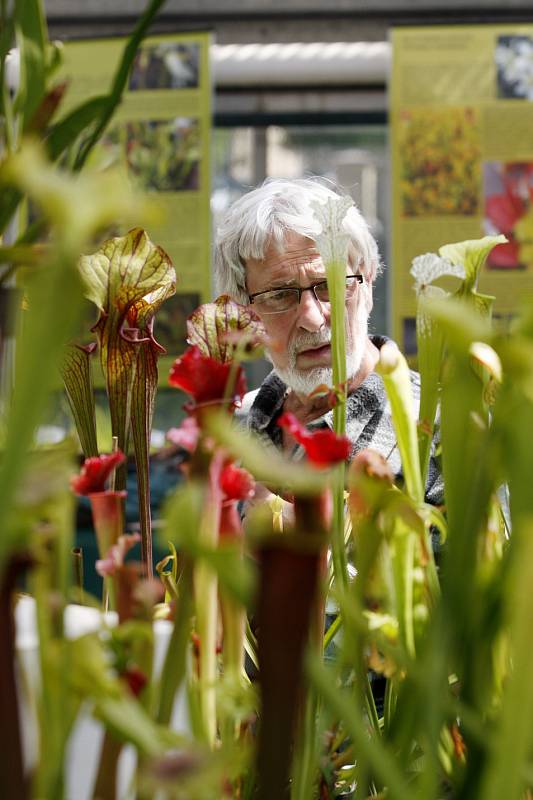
x: 83, y: 749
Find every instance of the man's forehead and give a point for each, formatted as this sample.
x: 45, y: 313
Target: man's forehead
x: 295, y: 249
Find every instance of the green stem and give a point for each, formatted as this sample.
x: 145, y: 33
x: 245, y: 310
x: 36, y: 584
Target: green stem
x: 332, y: 631
x: 174, y: 667
x: 77, y: 569
x: 370, y: 704
x: 371, y: 749
x: 119, y: 81
x: 206, y: 602
x: 335, y: 273
x: 389, y: 704
x: 205, y: 582
x: 338, y: 547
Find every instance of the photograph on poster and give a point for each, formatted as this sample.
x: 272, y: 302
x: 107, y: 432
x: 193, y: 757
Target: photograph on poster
x: 164, y: 154
x: 171, y: 321
x: 440, y: 157
x: 508, y: 193
x: 167, y: 65
x: 514, y: 67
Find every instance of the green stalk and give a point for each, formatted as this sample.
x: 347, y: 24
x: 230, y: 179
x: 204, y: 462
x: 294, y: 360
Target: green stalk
x: 372, y: 749
x: 332, y: 631
x: 39, y: 348
x: 206, y: 602
x: 206, y: 597
x: 395, y: 373
x: 335, y: 274
x: 430, y: 345
x: 77, y: 570
x: 77, y: 377
x: 174, y: 668
x: 119, y: 81
x: 143, y: 399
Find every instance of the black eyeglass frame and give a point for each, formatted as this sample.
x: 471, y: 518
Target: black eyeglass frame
x: 360, y: 279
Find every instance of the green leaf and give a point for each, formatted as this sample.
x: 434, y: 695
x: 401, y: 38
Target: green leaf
x: 6, y: 43
x: 504, y: 776
x: 174, y: 667
x: 127, y: 279
x: 267, y: 466
x: 460, y: 323
x: 92, y: 679
x: 30, y: 22
x: 124, y: 272
x: 80, y: 206
x: 183, y: 523
x: 77, y: 377
x: 332, y: 243
x: 119, y: 81
x: 393, y: 368
x: 38, y: 352
x: 372, y: 750
x: 144, y: 390
x: 430, y: 347
x: 213, y: 328
x: 9, y: 200
x: 77, y: 208
x: 142, y: 405
x: 472, y: 254
x: 66, y: 131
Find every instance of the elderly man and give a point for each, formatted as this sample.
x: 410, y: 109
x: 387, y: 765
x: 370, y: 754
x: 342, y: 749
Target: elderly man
x: 266, y: 255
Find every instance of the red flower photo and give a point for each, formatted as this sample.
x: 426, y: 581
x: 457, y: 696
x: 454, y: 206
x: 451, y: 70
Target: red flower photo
x: 508, y: 189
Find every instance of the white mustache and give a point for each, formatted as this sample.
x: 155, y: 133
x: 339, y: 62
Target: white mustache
x: 307, y: 341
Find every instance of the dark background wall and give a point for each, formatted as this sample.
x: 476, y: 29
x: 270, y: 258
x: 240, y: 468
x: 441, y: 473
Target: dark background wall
x: 279, y: 20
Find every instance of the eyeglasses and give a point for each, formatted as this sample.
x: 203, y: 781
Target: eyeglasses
x: 276, y: 301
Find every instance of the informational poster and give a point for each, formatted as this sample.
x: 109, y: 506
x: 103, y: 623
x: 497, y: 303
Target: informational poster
x: 161, y: 135
x: 461, y: 105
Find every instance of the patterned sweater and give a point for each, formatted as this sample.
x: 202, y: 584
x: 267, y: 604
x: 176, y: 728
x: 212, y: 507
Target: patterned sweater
x: 368, y: 421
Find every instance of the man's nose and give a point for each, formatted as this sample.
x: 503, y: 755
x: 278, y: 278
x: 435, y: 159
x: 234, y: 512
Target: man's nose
x: 311, y: 313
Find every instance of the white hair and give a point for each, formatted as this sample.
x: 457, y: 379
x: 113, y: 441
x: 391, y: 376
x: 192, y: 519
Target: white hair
x: 265, y: 215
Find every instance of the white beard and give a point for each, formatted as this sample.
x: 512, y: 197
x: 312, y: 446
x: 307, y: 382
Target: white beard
x: 303, y: 382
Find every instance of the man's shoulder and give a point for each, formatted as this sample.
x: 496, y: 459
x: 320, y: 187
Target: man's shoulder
x: 260, y: 405
x: 247, y: 402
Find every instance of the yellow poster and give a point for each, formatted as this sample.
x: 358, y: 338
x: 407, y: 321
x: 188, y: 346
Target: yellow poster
x: 461, y: 110
x: 161, y: 135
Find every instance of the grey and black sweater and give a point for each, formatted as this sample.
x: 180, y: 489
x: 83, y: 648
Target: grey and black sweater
x: 368, y: 421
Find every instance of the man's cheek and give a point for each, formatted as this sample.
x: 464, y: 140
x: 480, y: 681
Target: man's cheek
x: 276, y: 350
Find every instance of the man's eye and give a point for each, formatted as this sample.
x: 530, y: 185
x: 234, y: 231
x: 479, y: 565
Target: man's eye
x: 278, y: 295
x: 321, y: 290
